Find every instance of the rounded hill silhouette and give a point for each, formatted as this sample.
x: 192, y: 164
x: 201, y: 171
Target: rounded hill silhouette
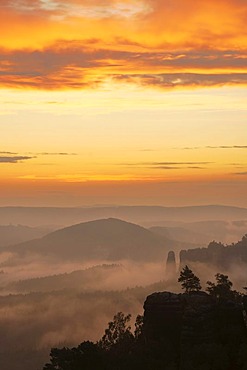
x: 109, y: 239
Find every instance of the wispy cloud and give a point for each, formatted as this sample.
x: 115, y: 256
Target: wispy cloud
x: 179, y: 163
x: 241, y: 173
x: 164, y: 163
x: 215, y: 147
x: 183, y: 80
x: 176, y: 167
x: 11, y: 153
x: 56, y: 154
x: 14, y: 159
x: 168, y: 165
x: 228, y: 147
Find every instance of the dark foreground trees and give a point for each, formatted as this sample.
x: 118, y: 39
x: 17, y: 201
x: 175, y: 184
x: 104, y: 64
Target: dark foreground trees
x: 118, y: 332
x: 119, y: 349
x: 222, y: 289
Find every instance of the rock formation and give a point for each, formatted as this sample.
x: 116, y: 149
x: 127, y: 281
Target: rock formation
x: 194, y: 330
x: 171, y: 266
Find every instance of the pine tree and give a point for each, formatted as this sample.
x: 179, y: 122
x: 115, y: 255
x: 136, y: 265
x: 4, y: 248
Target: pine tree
x: 189, y: 281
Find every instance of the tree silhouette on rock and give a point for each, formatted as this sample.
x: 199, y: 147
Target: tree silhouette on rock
x: 189, y: 281
x: 118, y: 332
x: 222, y: 289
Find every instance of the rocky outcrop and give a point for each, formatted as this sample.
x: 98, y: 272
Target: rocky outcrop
x: 199, y: 331
x: 171, y: 266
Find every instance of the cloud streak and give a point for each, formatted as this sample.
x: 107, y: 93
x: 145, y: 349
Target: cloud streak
x: 228, y: 147
x: 11, y: 153
x: 56, y: 154
x: 14, y: 159
x: 241, y: 173
x: 216, y: 147
x: 168, y: 165
x: 76, y: 65
x: 185, y: 80
x: 165, y: 163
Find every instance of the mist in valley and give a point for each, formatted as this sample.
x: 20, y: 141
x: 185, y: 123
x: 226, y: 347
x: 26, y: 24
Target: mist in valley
x: 62, y: 288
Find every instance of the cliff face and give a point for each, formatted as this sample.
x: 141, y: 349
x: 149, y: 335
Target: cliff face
x: 195, y: 331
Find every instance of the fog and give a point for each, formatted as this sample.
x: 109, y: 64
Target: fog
x: 32, y: 323
x: 99, y: 276
x: 49, y: 300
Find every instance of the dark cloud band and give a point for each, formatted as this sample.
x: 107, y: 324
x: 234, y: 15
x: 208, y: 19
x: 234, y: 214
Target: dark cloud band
x: 69, y: 64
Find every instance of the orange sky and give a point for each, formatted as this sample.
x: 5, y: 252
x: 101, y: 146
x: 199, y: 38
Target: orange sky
x: 116, y: 101
x: 80, y: 44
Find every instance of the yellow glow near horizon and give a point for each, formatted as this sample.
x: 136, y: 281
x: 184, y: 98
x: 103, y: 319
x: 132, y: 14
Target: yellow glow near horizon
x: 121, y: 99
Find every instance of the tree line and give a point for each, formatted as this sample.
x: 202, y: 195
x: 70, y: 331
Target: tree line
x: 220, y: 289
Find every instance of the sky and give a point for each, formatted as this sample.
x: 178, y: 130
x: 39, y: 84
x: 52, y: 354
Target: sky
x: 123, y: 102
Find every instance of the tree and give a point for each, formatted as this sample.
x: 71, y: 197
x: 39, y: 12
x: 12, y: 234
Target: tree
x: 138, y: 326
x: 75, y: 358
x: 189, y: 281
x: 118, y: 332
x: 223, y: 287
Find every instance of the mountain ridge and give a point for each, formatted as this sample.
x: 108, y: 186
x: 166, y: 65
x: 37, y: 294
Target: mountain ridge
x: 37, y: 216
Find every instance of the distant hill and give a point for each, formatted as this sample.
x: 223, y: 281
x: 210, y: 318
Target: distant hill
x: 13, y: 234
x: 107, y: 239
x: 203, y: 232
x: 36, y: 216
x: 181, y: 234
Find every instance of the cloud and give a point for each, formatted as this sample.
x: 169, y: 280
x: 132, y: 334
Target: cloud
x: 228, y: 147
x: 191, y: 80
x: 179, y: 163
x: 164, y: 163
x: 14, y: 159
x: 215, y: 147
x: 58, y: 154
x: 77, y: 65
x: 147, y: 150
x: 241, y: 173
x: 190, y: 148
x: 12, y: 153
x: 153, y: 43
x: 89, y: 9
x: 176, y: 167
x: 168, y: 165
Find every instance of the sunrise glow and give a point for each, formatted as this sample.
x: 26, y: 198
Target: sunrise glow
x: 123, y: 102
